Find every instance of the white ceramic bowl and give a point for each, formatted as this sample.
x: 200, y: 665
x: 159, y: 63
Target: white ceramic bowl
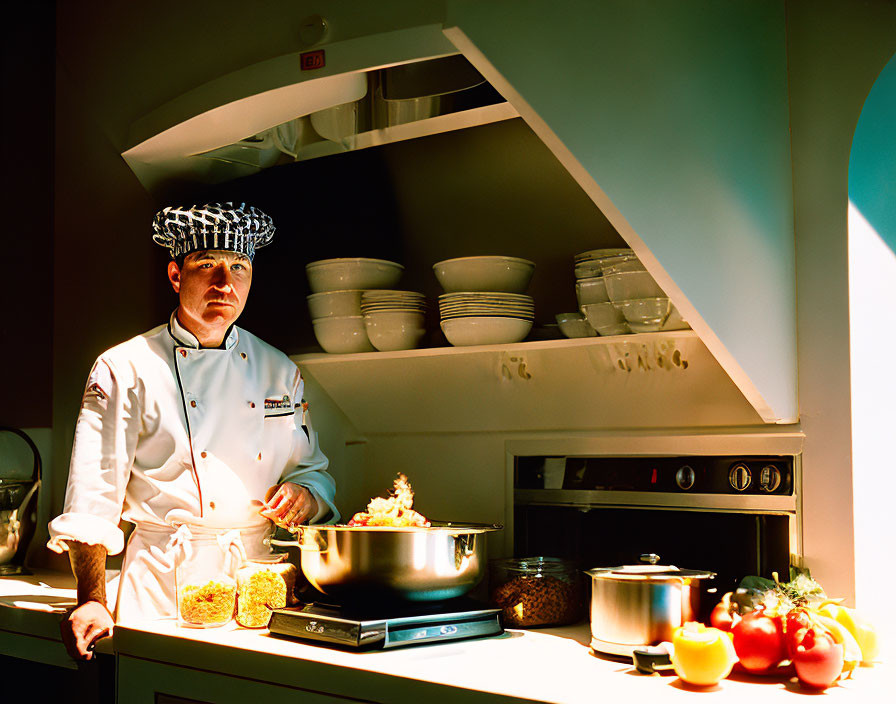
x: 394, y: 330
x: 593, y: 290
x: 502, y: 274
x: 605, y: 318
x: 574, y: 325
x: 630, y: 285
x: 462, y: 332
x: 357, y: 273
x: 342, y: 335
x: 645, y: 314
x: 335, y: 303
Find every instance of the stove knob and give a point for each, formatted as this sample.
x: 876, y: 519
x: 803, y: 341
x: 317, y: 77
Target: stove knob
x: 739, y: 477
x: 685, y: 477
x: 769, y: 478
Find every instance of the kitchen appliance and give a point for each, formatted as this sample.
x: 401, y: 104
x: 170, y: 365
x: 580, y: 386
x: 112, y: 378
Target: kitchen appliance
x: 637, y: 605
x: 20, y: 471
x: 379, y: 627
x: 731, y: 515
x: 379, y: 564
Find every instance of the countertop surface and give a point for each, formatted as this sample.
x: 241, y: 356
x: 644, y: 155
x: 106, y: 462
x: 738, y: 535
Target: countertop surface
x: 552, y: 664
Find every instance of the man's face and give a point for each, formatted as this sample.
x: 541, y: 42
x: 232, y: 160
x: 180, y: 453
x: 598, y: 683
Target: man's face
x: 213, y: 286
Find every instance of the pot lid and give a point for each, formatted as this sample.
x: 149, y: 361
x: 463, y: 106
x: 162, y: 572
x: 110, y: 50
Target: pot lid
x: 649, y: 570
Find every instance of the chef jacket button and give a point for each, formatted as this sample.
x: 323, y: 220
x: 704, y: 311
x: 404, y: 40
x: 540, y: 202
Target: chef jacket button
x: 211, y: 505
x: 192, y: 404
x: 259, y: 456
x: 251, y: 404
x: 183, y: 353
x: 203, y: 454
x: 243, y: 355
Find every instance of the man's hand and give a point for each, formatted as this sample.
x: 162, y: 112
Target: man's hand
x: 85, y: 625
x: 90, y: 620
x: 289, y: 505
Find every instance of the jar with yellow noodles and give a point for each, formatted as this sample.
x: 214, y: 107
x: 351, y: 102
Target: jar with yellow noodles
x: 264, y: 584
x: 205, y: 578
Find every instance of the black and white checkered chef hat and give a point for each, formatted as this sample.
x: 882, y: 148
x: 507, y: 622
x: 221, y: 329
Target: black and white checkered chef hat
x: 235, y: 228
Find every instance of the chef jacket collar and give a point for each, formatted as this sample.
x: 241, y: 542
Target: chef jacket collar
x: 188, y: 339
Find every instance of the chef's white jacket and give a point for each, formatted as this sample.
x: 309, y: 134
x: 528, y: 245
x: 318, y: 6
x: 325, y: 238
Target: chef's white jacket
x: 170, y: 433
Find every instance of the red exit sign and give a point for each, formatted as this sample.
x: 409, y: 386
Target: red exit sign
x: 311, y: 60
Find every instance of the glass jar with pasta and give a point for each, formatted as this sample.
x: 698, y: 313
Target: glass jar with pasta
x: 205, y: 577
x: 263, y: 584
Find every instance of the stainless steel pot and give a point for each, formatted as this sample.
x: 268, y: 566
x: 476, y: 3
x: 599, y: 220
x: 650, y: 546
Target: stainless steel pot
x: 634, y: 606
x: 373, y: 564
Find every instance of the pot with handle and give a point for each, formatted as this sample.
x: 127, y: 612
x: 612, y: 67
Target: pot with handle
x: 635, y: 606
x: 372, y: 564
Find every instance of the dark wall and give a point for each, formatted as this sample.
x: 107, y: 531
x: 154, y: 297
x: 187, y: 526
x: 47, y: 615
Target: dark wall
x: 26, y: 352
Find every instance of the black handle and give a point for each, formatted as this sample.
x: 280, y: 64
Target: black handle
x: 35, y: 472
x: 648, y: 661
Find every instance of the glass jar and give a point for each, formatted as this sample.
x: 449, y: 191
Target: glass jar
x: 263, y: 584
x: 205, y: 578
x: 536, y: 591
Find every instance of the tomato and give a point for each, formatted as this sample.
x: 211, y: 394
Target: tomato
x: 724, y: 615
x: 759, y: 642
x: 796, y: 620
x: 702, y: 656
x: 818, y: 660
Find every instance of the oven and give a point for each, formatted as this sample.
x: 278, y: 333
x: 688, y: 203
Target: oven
x: 732, y: 514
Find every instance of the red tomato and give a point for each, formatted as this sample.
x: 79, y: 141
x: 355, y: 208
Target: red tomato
x: 818, y: 660
x: 759, y: 642
x: 796, y: 620
x: 724, y: 615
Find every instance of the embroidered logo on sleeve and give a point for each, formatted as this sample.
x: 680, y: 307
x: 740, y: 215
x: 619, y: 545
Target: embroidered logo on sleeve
x: 99, y: 384
x: 277, y: 404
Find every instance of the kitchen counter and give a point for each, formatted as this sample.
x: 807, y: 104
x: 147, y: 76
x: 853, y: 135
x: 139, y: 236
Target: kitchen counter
x: 553, y: 665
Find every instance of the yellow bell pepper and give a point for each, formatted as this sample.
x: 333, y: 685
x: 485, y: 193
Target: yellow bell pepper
x: 702, y: 656
x: 861, y: 630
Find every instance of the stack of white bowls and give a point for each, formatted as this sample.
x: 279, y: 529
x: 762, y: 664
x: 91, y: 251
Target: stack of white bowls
x: 484, y: 301
x: 335, y: 301
x: 393, y: 319
x: 634, y: 300
x: 591, y: 290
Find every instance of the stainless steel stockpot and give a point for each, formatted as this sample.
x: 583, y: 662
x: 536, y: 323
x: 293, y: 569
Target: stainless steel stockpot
x: 357, y: 564
x: 633, y: 606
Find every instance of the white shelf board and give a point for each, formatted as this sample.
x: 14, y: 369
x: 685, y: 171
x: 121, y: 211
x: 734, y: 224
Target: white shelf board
x: 314, y: 358
x: 450, y: 122
x: 665, y: 379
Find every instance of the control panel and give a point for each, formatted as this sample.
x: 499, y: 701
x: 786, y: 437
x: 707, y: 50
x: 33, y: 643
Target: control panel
x: 699, y: 474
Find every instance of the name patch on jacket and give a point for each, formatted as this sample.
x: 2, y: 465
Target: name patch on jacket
x: 277, y: 404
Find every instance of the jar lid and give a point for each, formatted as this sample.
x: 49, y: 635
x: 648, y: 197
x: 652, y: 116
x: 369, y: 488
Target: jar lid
x: 272, y: 559
x: 537, y: 563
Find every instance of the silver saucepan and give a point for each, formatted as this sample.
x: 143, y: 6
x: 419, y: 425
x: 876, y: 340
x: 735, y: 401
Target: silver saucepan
x: 635, y: 606
x: 357, y: 564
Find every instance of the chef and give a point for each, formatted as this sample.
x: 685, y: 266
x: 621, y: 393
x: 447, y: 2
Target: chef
x: 196, y: 428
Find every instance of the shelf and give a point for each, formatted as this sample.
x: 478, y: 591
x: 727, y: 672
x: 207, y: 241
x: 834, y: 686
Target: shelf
x: 412, y: 130
x: 665, y: 379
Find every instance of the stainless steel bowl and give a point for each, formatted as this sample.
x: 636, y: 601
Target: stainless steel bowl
x: 372, y: 564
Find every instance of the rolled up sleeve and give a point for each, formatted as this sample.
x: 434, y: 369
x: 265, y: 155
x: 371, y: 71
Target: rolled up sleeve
x: 308, y: 464
x: 102, y: 456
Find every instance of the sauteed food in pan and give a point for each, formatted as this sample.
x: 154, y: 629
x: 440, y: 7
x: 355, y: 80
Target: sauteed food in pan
x: 395, y: 511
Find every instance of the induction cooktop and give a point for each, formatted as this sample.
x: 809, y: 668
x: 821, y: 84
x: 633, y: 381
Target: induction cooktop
x: 381, y: 627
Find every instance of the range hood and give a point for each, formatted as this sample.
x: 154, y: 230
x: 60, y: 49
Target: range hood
x: 674, y: 123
